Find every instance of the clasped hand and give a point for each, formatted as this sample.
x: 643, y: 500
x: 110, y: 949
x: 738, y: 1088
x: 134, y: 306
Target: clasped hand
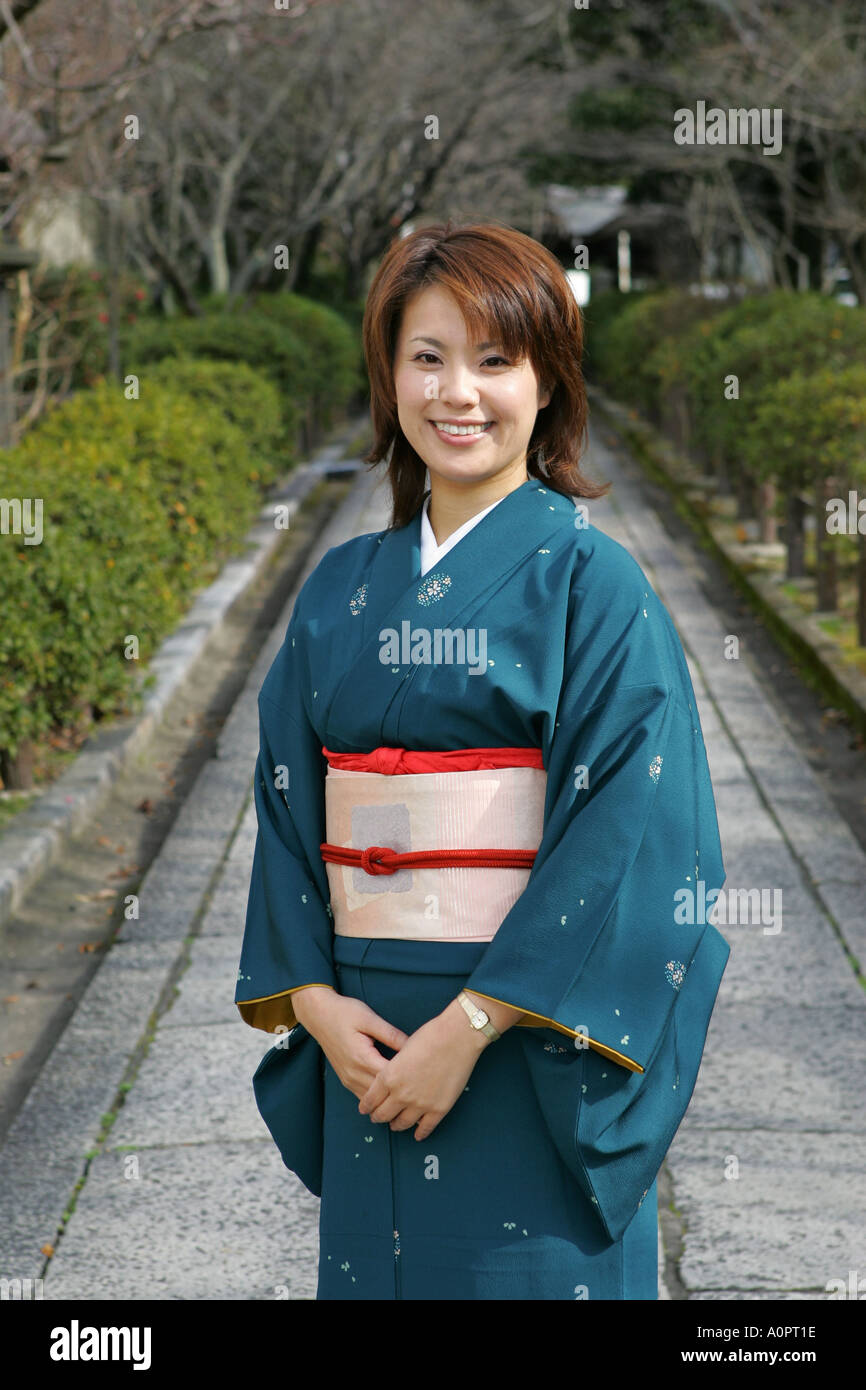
x: 419, y: 1084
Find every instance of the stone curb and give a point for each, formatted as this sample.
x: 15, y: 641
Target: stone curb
x: 37, y: 837
x: 800, y: 628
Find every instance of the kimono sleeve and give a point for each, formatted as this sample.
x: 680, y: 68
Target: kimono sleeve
x: 287, y: 934
x: 609, y: 942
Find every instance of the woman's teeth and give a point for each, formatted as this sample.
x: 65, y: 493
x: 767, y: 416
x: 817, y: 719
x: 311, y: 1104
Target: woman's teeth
x: 463, y: 429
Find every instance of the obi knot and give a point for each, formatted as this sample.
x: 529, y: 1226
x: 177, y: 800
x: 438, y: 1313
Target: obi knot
x: 372, y: 857
x: 388, y: 760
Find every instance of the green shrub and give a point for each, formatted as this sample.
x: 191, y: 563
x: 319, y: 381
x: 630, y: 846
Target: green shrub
x: 810, y: 425
x: 142, y: 502
x: 243, y: 395
x: 310, y: 354
x: 623, y: 350
x: 254, y: 339
x: 144, y: 499
x: 798, y: 332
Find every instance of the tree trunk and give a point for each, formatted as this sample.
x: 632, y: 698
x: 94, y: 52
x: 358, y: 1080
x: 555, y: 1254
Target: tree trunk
x: 745, y: 494
x: 306, y: 255
x: 767, y: 512
x: 825, y: 550
x: 720, y: 471
x: 17, y: 770
x: 795, y: 511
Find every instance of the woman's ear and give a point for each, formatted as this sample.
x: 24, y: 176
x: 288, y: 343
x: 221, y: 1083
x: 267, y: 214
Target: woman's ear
x: 545, y: 395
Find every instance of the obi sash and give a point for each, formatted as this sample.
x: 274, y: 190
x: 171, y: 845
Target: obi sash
x: 399, y: 802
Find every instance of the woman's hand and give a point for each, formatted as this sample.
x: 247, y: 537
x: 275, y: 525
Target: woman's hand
x: 429, y: 1072
x: 345, y: 1028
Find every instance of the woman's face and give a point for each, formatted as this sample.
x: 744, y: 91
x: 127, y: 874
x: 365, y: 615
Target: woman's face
x: 440, y: 377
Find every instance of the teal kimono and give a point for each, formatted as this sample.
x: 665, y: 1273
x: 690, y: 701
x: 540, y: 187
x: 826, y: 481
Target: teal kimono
x: 552, y: 1154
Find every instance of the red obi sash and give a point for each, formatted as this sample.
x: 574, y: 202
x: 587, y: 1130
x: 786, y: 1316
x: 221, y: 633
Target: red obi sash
x: 409, y: 760
x: 378, y: 859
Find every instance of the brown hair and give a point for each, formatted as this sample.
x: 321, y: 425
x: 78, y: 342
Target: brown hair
x: 514, y: 290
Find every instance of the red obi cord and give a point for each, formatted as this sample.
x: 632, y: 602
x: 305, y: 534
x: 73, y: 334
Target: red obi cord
x: 380, y: 860
x: 377, y: 859
x: 408, y: 760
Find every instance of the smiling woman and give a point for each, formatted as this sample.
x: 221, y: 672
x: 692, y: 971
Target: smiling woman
x: 464, y: 890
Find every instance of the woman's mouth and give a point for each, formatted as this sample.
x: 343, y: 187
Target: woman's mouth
x: 461, y: 434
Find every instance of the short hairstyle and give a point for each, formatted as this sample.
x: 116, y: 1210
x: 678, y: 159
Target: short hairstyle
x: 509, y: 288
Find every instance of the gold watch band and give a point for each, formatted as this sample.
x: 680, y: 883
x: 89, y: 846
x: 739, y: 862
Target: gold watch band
x: 475, y: 1015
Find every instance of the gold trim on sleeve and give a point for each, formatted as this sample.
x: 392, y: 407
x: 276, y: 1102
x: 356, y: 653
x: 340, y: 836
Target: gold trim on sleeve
x: 531, y: 1020
x: 274, y: 1011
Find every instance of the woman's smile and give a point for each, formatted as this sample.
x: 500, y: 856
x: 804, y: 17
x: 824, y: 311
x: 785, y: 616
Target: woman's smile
x: 461, y: 435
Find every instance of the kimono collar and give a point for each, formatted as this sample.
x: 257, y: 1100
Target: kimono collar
x: 431, y: 551
x: 394, y: 592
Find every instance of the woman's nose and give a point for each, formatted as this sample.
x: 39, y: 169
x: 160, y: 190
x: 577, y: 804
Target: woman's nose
x: 458, y: 385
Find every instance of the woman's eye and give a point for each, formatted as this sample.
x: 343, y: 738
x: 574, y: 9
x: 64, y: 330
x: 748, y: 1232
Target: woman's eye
x: 420, y: 357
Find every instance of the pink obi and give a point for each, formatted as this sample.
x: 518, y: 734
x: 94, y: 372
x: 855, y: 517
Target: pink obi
x: 427, y: 805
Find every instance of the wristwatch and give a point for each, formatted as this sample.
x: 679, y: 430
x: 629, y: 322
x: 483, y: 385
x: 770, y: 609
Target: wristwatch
x: 478, y: 1018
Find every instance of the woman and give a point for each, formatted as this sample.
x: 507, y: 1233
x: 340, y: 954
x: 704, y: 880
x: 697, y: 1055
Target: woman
x: 494, y: 1050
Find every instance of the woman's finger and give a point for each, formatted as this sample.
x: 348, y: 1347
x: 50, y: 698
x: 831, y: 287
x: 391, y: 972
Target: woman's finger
x: 406, y: 1118
x: 376, y: 1093
x: 385, y: 1032
x: 386, y: 1111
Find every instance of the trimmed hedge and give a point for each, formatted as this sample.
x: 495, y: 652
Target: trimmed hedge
x: 309, y: 352
x: 144, y: 497
x: 143, y: 501
x: 623, y: 352
x: 255, y: 340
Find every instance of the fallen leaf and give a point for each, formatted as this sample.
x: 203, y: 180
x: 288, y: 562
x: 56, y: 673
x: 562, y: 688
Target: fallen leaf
x: 105, y: 841
x: 126, y: 872
x: 47, y: 1249
x: 11, y: 999
x: 88, y: 946
x: 13, y: 1056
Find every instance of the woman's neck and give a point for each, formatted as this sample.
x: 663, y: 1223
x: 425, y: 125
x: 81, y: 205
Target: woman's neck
x: 450, y: 505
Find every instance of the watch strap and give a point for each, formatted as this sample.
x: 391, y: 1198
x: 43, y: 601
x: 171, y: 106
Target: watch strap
x: 479, y: 1020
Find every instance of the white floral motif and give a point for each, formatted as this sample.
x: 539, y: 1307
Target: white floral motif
x: 434, y: 587
x: 655, y: 767
x: 675, y: 973
x: 358, y: 600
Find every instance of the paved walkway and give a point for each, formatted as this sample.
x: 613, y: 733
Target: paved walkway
x: 187, y: 1197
